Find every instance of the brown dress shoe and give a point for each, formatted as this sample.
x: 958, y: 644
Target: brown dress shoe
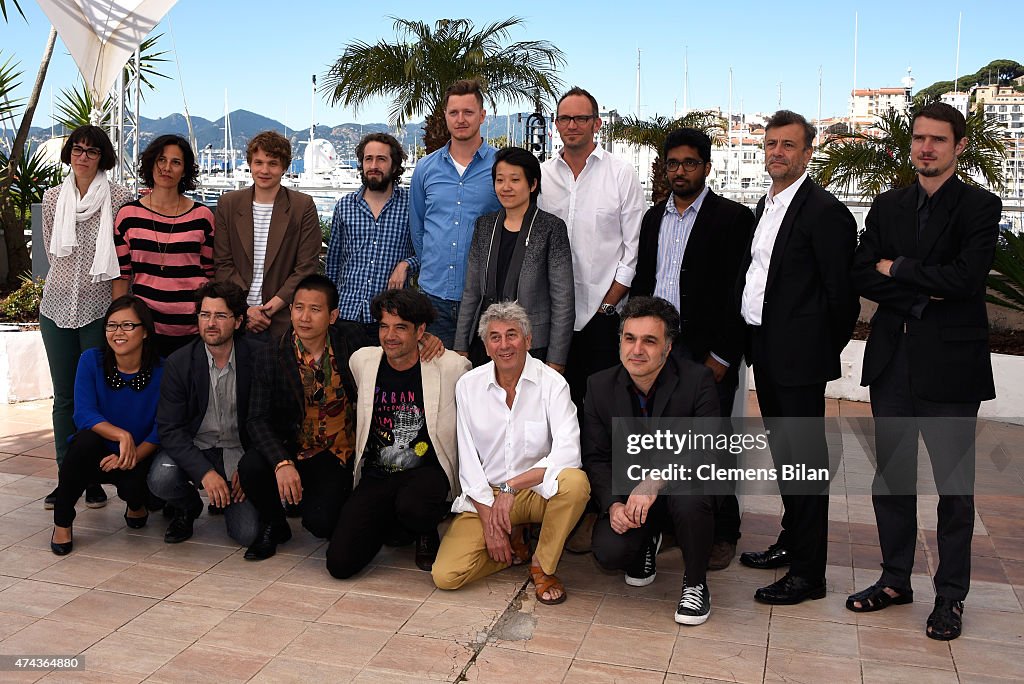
x: 722, y: 553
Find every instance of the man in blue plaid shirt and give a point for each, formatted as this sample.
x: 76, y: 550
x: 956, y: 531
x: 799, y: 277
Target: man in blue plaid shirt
x: 371, y: 250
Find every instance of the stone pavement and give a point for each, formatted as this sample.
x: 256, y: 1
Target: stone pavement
x: 138, y: 609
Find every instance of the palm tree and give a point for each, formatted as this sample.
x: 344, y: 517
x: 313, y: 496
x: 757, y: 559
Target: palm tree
x: 878, y: 158
x: 417, y: 69
x: 652, y: 133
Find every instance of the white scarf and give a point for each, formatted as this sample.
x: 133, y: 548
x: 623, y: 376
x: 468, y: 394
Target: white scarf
x: 72, y: 209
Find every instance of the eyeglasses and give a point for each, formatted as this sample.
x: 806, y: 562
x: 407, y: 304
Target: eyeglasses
x: 219, y: 316
x: 89, y: 152
x: 579, y: 120
x: 126, y: 326
x: 319, y: 377
x: 688, y: 164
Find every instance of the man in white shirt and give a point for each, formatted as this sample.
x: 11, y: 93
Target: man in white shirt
x: 800, y: 308
x: 519, y: 462
x: 600, y: 199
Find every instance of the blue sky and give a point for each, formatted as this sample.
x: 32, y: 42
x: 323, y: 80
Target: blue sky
x: 265, y: 58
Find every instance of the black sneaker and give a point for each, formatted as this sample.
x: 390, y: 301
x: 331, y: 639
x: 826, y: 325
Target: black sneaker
x: 426, y: 550
x: 50, y: 500
x: 181, y: 527
x: 645, y: 567
x: 95, y: 497
x: 694, y: 605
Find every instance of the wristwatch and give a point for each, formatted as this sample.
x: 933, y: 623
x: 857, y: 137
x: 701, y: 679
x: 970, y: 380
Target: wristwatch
x: 506, y: 488
x: 607, y: 309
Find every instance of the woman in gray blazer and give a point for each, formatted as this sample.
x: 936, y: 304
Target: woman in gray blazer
x: 519, y: 253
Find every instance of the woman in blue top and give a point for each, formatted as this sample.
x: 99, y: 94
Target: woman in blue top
x: 117, y: 389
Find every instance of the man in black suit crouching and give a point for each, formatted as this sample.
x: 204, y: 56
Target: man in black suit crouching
x: 925, y: 255
x: 800, y: 309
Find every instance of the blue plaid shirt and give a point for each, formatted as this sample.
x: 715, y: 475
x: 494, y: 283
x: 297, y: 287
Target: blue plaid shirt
x: 364, y: 250
x: 444, y: 207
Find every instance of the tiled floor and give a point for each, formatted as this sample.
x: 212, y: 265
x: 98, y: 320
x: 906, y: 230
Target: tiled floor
x: 138, y: 609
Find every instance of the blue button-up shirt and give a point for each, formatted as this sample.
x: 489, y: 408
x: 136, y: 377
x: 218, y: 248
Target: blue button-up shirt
x: 364, y: 250
x: 443, y: 209
x: 672, y: 239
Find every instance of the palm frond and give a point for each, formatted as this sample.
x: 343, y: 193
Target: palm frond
x: 10, y: 80
x: 17, y: 6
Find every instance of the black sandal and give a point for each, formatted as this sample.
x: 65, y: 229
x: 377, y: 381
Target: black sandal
x: 946, y: 620
x: 876, y: 597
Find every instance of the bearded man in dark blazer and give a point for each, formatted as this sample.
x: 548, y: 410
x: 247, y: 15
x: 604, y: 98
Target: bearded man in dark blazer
x: 691, y: 248
x: 924, y: 257
x: 800, y: 309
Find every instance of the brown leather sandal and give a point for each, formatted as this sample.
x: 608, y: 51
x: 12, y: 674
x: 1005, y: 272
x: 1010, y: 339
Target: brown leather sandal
x: 520, y: 542
x: 544, y: 583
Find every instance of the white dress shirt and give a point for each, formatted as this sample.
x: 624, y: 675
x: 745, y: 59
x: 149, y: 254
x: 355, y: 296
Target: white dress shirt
x: 775, y: 207
x: 602, y: 210
x: 497, y: 443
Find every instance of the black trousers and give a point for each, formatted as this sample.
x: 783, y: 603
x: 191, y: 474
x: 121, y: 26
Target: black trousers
x: 950, y: 446
x: 692, y: 520
x: 326, y: 485
x: 805, y: 516
x: 415, y: 499
x: 592, y: 349
x: 727, y: 506
x: 81, y: 468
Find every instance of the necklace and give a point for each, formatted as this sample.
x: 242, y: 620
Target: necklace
x: 137, y: 383
x: 162, y: 246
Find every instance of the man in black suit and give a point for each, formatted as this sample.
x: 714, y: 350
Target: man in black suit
x: 204, y: 401
x: 691, y: 248
x: 800, y: 309
x: 649, y: 383
x: 924, y: 257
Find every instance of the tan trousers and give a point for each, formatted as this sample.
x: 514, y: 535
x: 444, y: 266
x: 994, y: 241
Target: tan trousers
x: 463, y: 557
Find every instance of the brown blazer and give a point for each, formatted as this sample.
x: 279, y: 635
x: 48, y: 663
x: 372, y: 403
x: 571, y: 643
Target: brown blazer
x: 293, y: 245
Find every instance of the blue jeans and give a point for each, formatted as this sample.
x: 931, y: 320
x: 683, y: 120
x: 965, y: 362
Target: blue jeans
x: 170, y: 482
x: 447, y: 319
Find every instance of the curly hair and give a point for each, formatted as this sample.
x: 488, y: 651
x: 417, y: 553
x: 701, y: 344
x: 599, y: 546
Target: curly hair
x: 271, y: 143
x: 398, y: 155
x: 147, y: 161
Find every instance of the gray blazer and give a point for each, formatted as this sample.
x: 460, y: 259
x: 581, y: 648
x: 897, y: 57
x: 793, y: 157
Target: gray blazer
x: 543, y: 281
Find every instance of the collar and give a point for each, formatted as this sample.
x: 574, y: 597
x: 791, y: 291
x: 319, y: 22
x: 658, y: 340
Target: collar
x: 531, y: 373
x: 597, y: 153
x: 670, y: 206
x: 785, y: 198
x: 922, y: 195
x: 446, y: 151
x: 306, y: 359
x: 209, y: 357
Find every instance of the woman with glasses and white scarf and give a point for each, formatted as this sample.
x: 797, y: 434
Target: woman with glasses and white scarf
x: 78, y: 235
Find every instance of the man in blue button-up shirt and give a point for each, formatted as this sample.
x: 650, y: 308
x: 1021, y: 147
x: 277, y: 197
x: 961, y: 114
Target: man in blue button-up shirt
x: 451, y: 187
x: 371, y: 249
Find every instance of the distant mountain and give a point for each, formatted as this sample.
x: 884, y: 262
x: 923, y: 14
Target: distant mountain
x: 246, y: 124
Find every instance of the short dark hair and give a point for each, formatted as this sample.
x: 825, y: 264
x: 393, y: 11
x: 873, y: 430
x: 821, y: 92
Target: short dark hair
x: 96, y: 137
x: 398, y: 154
x: 147, y: 162
x: 517, y: 156
x: 940, y: 111
x: 232, y: 294
x: 691, y: 137
x: 150, y: 355
x: 467, y: 86
x: 656, y: 307
x: 406, y: 303
x: 320, y: 283
x: 784, y: 117
x: 576, y: 90
x: 271, y: 143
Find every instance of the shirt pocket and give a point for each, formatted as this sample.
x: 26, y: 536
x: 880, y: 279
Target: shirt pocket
x: 536, y: 440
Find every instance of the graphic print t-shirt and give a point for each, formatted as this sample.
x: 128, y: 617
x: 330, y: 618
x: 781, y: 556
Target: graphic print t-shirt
x: 398, y: 438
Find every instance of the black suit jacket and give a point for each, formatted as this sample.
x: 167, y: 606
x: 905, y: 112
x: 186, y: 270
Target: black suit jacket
x: 947, y: 267
x: 810, y: 306
x: 278, y: 404
x: 710, y: 320
x: 684, y: 389
x: 184, y: 395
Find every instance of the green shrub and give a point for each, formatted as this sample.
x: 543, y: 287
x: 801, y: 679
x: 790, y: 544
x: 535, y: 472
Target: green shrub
x: 22, y: 305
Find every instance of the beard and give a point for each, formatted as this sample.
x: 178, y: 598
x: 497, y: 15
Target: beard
x: 375, y: 184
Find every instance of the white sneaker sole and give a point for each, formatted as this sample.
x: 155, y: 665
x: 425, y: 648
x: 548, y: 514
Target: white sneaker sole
x: 640, y: 581
x: 692, y: 619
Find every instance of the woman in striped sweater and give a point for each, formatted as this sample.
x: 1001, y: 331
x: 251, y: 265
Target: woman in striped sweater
x: 165, y: 242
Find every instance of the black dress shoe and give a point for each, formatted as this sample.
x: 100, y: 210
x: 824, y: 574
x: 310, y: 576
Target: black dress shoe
x: 791, y: 590
x: 266, y: 542
x: 426, y: 550
x: 135, y: 523
x: 774, y: 557
x: 95, y: 496
x: 61, y: 548
x: 181, y: 527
